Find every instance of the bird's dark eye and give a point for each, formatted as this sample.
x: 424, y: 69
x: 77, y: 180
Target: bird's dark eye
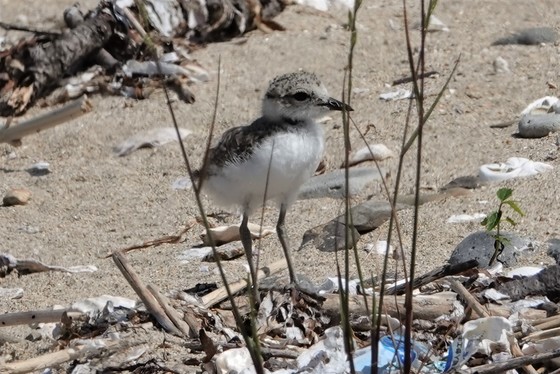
x: 301, y: 96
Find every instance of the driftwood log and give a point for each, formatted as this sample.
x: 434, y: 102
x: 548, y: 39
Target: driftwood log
x: 30, y: 70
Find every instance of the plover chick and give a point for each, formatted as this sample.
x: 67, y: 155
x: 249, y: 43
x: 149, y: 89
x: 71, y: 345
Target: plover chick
x: 273, y: 156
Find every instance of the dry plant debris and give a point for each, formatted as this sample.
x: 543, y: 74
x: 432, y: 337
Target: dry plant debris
x: 116, y: 38
x: 457, y: 323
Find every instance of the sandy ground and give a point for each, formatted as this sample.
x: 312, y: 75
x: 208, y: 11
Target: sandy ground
x: 94, y: 202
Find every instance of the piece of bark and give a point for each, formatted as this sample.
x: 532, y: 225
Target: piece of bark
x: 74, y: 17
x: 442, y: 271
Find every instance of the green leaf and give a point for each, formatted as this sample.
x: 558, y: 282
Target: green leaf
x: 502, y: 240
x: 504, y: 193
x: 492, y: 220
x: 513, y: 205
x: 510, y: 221
x: 484, y: 222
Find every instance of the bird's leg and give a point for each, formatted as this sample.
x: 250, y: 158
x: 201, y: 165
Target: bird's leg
x: 280, y: 233
x: 247, y: 242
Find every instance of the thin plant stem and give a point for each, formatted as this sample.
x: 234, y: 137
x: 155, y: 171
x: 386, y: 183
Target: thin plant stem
x: 348, y: 335
x: 419, y: 89
x: 252, y: 344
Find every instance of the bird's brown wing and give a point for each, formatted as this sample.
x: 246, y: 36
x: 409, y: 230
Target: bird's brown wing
x: 238, y: 143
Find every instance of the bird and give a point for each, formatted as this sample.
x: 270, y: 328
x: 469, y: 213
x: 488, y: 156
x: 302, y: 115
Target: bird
x: 271, y: 158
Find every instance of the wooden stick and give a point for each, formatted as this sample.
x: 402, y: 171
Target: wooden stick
x: 516, y: 351
x: 68, y: 112
x: 220, y: 294
x: 442, y: 271
x: 514, y: 363
x: 548, y: 323
x: 172, y: 313
x: 148, y: 298
x: 539, y: 335
x: 169, y: 239
x: 470, y: 299
x: 135, y: 23
x: 56, y: 358
x: 410, y: 79
x: 36, y: 316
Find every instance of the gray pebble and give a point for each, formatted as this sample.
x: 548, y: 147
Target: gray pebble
x: 554, y: 249
x: 469, y: 182
x: 538, y: 126
x: 531, y: 36
x: 369, y: 215
x: 480, y: 246
x: 329, y: 237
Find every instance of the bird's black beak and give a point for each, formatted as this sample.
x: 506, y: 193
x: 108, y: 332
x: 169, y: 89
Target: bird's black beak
x: 334, y: 104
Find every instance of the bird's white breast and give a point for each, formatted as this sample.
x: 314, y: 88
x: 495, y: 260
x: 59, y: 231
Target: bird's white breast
x: 289, y: 159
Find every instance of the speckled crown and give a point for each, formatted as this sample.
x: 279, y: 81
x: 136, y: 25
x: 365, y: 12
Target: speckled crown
x: 289, y: 83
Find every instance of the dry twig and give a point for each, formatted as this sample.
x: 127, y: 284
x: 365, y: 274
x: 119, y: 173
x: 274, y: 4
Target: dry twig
x: 70, y: 111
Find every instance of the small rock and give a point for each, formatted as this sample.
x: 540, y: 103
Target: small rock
x: 34, y: 336
x: 28, y: 229
x: 329, y: 237
x: 469, y: 182
x: 554, y: 249
x: 182, y: 183
x: 11, y: 293
x: 531, y: 36
x: 538, y: 126
x: 500, y: 66
x: 16, y: 196
x: 194, y: 254
x: 39, y: 169
x: 369, y: 215
x: 228, y: 251
x: 545, y: 283
x: 480, y: 246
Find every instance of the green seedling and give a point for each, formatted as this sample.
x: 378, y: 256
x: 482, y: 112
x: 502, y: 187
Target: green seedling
x: 496, y: 218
